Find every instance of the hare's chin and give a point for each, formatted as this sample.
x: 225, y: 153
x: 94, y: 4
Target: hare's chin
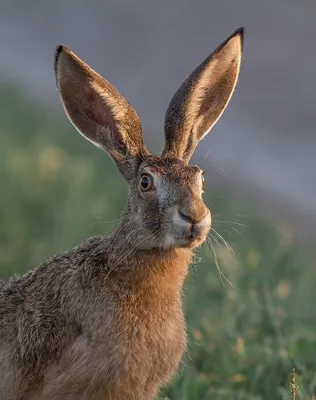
x: 191, y: 244
x: 195, y: 241
x: 183, y: 242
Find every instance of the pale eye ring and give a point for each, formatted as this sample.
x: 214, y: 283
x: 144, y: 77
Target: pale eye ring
x: 146, y: 182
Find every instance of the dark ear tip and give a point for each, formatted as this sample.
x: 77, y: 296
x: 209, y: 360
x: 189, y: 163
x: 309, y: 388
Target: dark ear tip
x: 60, y: 49
x: 240, y: 32
x: 237, y: 33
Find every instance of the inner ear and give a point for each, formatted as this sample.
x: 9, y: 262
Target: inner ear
x: 99, y: 111
x: 190, y: 145
x: 201, y: 99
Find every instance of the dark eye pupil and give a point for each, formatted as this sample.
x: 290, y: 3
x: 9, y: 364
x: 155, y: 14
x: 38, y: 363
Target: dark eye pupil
x: 144, y: 182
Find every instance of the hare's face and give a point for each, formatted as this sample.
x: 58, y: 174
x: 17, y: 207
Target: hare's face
x: 165, y: 207
x: 166, y: 200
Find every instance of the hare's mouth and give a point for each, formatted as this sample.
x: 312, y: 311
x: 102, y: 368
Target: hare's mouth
x: 194, y: 231
x: 191, y: 242
x: 195, y: 235
x: 186, y: 233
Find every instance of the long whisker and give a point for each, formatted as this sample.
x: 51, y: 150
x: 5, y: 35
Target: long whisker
x: 109, y: 222
x: 222, y: 275
x: 208, y: 153
x: 213, y: 252
x: 222, y: 169
x: 230, y: 222
x: 214, y: 238
x: 239, y: 233
x: 220, y: 237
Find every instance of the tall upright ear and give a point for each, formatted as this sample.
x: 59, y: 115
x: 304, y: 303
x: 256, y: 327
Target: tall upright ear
x: 98, y: 111
x: 202, y: 98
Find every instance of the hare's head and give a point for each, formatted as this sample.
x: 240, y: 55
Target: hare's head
x: 165, y: 206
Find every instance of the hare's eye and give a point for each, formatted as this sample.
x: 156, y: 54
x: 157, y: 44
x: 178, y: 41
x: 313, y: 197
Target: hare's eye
x: 203, y: 179
x: 146, y: 182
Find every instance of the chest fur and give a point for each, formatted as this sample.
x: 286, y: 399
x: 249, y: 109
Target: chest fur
x: 140, y: 350
x: 156, y: 339
x: 151, y: 317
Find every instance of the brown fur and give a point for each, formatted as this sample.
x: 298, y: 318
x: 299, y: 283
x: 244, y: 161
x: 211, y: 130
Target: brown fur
x: 104, y: 320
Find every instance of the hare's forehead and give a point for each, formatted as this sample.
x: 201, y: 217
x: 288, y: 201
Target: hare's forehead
x: 167, y: 169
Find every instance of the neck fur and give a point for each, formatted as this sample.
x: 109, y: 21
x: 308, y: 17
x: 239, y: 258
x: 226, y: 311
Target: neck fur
x: 140, y: 263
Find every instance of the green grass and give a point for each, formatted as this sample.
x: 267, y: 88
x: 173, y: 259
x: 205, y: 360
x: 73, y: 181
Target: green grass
x: 244, y: 339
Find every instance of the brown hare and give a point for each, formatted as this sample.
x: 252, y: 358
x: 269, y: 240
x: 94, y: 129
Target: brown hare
x: 104, y: 320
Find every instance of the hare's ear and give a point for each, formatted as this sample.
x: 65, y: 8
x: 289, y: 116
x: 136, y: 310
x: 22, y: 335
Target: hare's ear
x: 98, y: 111
x: 202, y: 98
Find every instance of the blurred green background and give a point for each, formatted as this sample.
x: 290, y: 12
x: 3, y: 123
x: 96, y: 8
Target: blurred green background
x: 57, y: 190
x: 244, y: 337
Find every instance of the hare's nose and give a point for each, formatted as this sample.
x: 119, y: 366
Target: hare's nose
x: 186, y: 217
x: 193, y: 212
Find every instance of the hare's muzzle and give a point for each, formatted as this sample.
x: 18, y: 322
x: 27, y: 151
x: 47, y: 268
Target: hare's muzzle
x: 196, y: 229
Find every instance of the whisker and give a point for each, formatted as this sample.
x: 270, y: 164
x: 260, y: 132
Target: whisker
x: 239, y: 215
x: 220, y: 237
x: 239, y: 233
x: 222, y: 169
x: 221, y: 274
x: 108, y: 222
x: 207, y: 153
x: 213, y: 252
x: 230, y: 222
x: 214, y: 238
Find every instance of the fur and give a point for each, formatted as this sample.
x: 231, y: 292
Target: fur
x: 104, y: 320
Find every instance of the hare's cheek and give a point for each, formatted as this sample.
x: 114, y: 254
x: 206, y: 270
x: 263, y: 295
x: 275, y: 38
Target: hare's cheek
x: 151, y: 195
x: 169, y: 241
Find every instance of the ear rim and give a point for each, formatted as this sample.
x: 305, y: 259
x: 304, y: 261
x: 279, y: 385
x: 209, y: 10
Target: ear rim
x: 122, y: 114
x: 183, y: 97
x: 60, y: 49
x: 237, y: 33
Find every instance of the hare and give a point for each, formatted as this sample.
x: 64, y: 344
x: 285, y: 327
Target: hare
x: 104, y: 320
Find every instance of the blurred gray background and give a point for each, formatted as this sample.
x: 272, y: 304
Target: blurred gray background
x: 263, y: 147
